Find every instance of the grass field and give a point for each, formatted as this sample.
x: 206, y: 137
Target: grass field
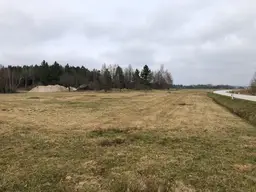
x: 137, y: 141
x: 243, y: 108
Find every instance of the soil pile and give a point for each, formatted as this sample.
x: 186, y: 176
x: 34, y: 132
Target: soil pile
x: 49, y: 88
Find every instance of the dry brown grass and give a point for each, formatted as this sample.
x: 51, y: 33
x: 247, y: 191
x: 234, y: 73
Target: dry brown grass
x: 83, y: 112
x: 136, y: 141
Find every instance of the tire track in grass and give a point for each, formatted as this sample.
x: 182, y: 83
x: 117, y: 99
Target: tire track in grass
x: 160, y: 117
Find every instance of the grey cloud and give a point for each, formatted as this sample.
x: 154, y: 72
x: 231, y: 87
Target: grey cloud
x: 198, y: 41
x: 135, y: 55
x: 35, y: 59
x: 21, y: 29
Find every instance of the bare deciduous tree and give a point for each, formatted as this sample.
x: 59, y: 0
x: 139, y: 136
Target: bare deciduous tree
x: 162, y: 79
x: 253, y: 84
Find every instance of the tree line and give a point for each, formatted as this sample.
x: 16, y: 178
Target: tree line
x: 206, y: 86
x: 107, y: 78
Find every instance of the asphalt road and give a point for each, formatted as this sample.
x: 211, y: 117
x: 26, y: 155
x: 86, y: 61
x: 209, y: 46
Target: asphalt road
x: 238, y: 96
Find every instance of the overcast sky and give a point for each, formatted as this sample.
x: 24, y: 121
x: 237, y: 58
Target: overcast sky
x: 199, y: 41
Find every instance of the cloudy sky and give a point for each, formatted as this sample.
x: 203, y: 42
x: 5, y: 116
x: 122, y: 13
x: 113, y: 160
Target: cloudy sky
x: 199, y: 41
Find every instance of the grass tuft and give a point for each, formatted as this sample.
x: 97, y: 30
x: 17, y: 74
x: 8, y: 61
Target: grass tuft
x: 111, y: 142
x: 33, y: 97
x: 112, y: 132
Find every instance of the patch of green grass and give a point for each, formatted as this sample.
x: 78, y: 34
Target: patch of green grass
x: 118, y: 160
x: 242, y: 108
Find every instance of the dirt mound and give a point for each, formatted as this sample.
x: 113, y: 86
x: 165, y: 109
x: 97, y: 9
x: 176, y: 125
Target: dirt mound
x: 49, y: 88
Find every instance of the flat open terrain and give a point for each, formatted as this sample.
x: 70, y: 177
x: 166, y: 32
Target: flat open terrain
x: 134, y: 141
